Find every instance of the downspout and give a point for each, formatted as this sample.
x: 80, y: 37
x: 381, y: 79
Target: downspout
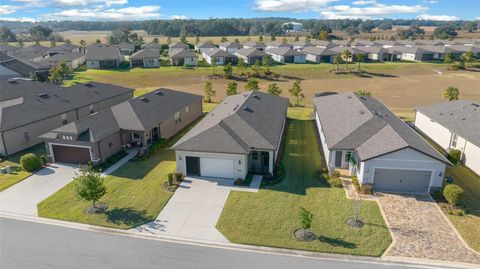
x: 4, y: 145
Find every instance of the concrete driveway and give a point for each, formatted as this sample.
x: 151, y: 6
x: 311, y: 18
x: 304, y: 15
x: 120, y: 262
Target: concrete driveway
x: 23, y: 197
x: 194, y: 209
x: 420, y: 230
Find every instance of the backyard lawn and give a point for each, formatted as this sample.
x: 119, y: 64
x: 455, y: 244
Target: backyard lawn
x: 269, y: 217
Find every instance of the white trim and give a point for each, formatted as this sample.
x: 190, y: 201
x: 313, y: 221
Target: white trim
x: 68, y: 145
x: 409, y: 169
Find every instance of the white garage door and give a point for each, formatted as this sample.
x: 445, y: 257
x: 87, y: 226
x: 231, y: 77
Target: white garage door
x: 397, y: 180
x: 222, y: 168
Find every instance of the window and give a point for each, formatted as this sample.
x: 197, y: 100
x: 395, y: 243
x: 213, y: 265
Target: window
x: 136, y: 136
x: 187, y: 109
x: 64, y: 118
x: 91, y: 108
x: 110, y: 144
x: 348, y: 156
x: 453, y: 144
x: 178, y: 118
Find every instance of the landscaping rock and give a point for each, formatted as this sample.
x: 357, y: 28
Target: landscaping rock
x: 98, y: 209
x: 304, y: 235
x: 355, y: 223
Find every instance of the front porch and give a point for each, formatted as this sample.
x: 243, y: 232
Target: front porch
x: 344, y: 162
x: 141, y: 139
x: 261, y: 162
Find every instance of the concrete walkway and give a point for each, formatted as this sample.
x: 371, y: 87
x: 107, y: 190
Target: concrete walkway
x: 131, y: 153
x: 194, y: 209
x: 23, y: 197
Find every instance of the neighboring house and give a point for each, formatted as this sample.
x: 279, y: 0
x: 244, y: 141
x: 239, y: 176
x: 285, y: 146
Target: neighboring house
x: 321, y: 43
x: 374, y: 53
x: 298, y: 45
x: 405, y: 53
x: 243, y: 134
x: 230, y: 46
x: 177, y: 46
x: 71, y: 59
x: 65, y: 48
x: 33, y: 53
x: 251, y: 55
x: 362, y: 135
x: 126, y: 48
x: 9, y: 49
x: 387, y: 43
x: 342, y: 43
x: 145, y: 58
x: 181, y: 57
x: 220, y: 57
x: 362, y: 43
x: 287, y: 55
x: 152, y: 45
x: 31, y: 108
x: 103, y: 56
x: 138, y: 122
x: 11, y: 67
x: 255, y: 45
x: 453, y: 125
x: 278, y: 44
x: 202, y: 46
x: 319, y: 54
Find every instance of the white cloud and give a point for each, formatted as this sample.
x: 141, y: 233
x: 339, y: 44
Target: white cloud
x: 364, y: 2
x: 70, y: 3
x: 375, y: 11
x: 178, y: 17
x: 430, y: 1
x: 127, y: 13
x: 437, y: 17
x: 21, y: 19
x: 8, y: 9
x: 291, y: 5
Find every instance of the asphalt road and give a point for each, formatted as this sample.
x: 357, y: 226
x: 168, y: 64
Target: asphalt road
x: 27, y: 245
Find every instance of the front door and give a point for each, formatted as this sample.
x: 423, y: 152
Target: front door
x: 338, y: 158
x: 260, y: 161
x: 193, y: 166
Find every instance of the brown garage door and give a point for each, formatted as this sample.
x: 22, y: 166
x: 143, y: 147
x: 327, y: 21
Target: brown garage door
x: 68, y: 154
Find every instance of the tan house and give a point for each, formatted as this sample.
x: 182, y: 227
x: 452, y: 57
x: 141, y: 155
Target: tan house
x: 136, y: 123
x: 31, y: 108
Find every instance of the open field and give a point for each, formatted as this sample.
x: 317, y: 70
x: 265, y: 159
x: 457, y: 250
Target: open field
x: 401, y: 86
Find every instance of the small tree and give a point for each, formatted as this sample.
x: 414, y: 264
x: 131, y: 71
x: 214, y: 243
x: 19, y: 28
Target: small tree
x: 306, y: 218
x: 52, y: 43
x: 58, y: 73
x: 359, y: 58
x: 448, y: 58
x: 232, y: 88
x: 273, y: 38
x: 98, y: 41
x: 83, y: 43
x: 214, y: 66
x: 183, y: 39
x: 296, y: 91
x: 241, y: 65
x: 197, y: 40
x: 363, y: 93
x: 223, y: 39
x: 257, y: 68
x: 297, y: 38
x: 453, y: 193
x: 252, y: 85
x: 346, y: 56
x: 228, y: 71
x: 68, y: 42
x: 89, y: 185
x: 169, y: 40
x: 337, y: 59
x: 266, y: 61
x: 260, y: 38
x: 467, y: 57
x: 209, y: 92
x: 274, y: 89
x: 451, y: 93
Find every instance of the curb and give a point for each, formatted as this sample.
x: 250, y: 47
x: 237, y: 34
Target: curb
x: 414, y: 263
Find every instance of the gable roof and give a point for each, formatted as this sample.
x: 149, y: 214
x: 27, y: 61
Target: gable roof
x: 22, y: 66
x: 102, y: 52
x: 284, y: 51
x: 4, y: 48
x: 138, y: 114
x: 231, y: 44
x: 216, y: 52
x: 64, y: 47
x: 278, y: 44
x: 255, y: 44
x: 178, y: 45
x: 145, y: 53
x: 152, y: 45
x: 206, y: 45
x: 242, y: 122
x: 126, y: 46
x: 461, y: 117
x: 367, y: 126
x: 251, y: 52
x: 65, y: 57
x: 43, y: 100
x: 318, y: 51
x: 181, y: 53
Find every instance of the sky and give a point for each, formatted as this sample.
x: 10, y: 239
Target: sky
x: 35, y: 10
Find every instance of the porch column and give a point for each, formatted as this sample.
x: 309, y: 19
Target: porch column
x: 271, y: 156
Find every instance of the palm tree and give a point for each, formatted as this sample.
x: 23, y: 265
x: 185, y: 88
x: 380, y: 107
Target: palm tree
x: 346, y: 56
x: 451, y: 93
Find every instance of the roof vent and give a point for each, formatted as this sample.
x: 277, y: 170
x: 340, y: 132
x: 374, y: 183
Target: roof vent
x: 475, y: 105
x: 44, y: 96
x: 246, y: 108
x: 236, y: 107
x: 12, y: 81
x: 159, y: 93
x: 361, y: 112
x: 145, y: 99
x: 89, y: 85
x: 256, y: 97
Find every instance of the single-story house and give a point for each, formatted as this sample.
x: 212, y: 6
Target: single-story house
x: 32, y: 108
x: 321, y: 43
x: 388, y: 43
x: 230, y: 46
x: 11, y: 67
x: 137, y: 122
x: 453, y: 125
x: 202, y: 46
x: 405, y: 53
x: 251, y: 55
x: 102, y: 56
x: 145, y: 58
x: 220, y: 57
x: 374, y: 53
x: 71, y: 59
x: 287, y: 55
x: 255, y: 45
x: 361, y: 134
x: 319, y: 54
x: 242, y: 135
x: 35, y: 53
x: 278, y: 44
x: 8, y: 49
x: 65, y: 48
x: 298, y: 45
x: 181, y: 57
x: 341, y: 43
x: 152, y: 45
x: 177, y: 46
x: 126, y: 48
x: 362, y: 43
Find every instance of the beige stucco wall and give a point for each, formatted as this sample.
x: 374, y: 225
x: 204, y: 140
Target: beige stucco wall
x: 168, y: 128
x: 106, y: 150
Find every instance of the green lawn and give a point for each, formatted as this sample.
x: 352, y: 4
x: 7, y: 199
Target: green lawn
x: 269, y: 217
x: 18, y: 173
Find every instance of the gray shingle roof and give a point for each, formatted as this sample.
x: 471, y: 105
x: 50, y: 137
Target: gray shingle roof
x: 242, y: 122
x: 461, y: 117
x: 178, y: 45
x: 138, y: 114
x: 278, y: 44
x: 102, y: 52
x: 126, y: 46
x: 318, y: 51
x: 21, y: 66
x: 367, y: 126
x: 255, y: 44
x: 283, y: 51
x: 206, y: 45
x: 217, y: 53
x: 181, y: 53
x: 65, y: 57
x: 145, y: 53
x: 64, y: 47
x: 152, y: 45
x: 56, y: 100
x: 231, y: 44
x: 251, y: 52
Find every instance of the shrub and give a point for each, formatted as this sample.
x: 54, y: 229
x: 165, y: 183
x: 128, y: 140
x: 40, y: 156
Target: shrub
x: 355, y: 182
x: 457, y: 212
x: 335, y: 173
x: 170, y: 179
x: 177, y: 176
x: 334, y: 182
x: 44, y: 159
x: 454, y: 155
x: 30, y: 162
x: 367, y: 189
x: 453, y: 193
x: 239, y: 181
